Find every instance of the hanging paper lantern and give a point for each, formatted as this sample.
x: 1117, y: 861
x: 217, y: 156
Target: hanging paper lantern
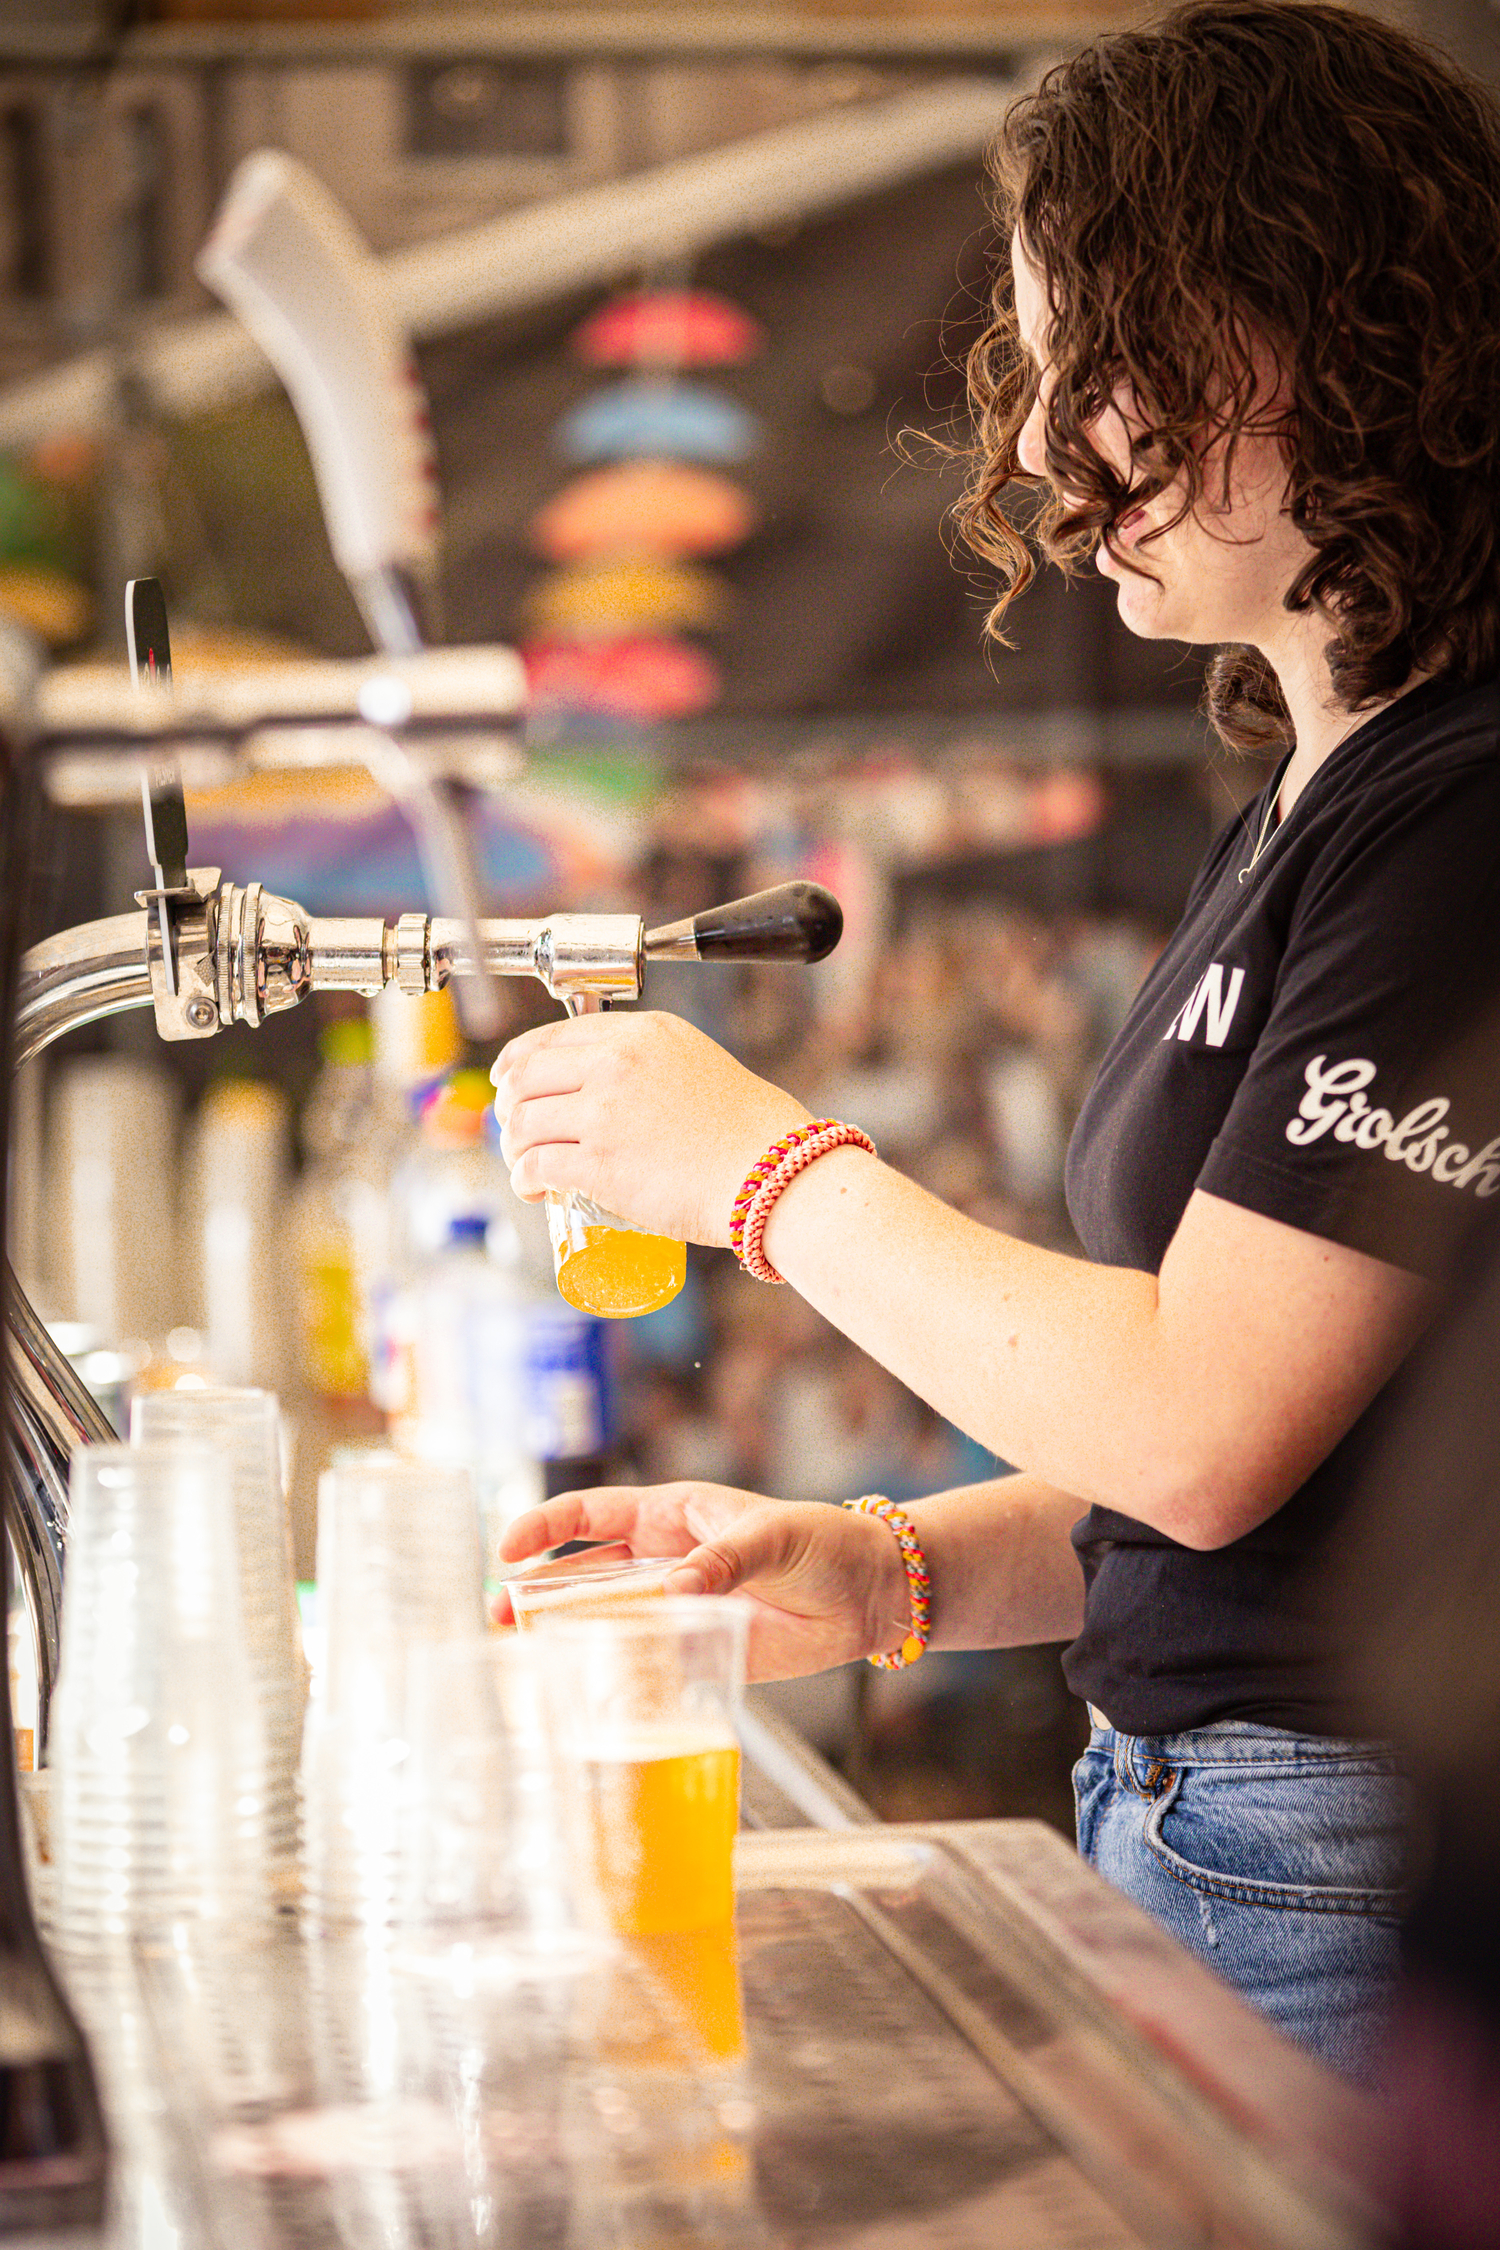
x: 625, y: 594
x: 672, y: 421
x: 668, y: 328
x: 643, y: 507
x: 641, y: 678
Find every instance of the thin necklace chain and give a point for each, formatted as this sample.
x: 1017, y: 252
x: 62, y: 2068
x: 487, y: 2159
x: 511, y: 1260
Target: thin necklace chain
x: 1269, y: 825
x: 1266, y: 832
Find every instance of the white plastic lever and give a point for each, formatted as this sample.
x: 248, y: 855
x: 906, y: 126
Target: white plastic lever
x: 286, y: 259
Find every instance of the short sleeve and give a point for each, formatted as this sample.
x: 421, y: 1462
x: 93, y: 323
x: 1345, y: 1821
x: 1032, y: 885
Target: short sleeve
x: 1369, y: 1112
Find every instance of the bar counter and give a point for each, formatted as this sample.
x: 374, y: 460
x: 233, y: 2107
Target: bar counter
x: 957, y: 2035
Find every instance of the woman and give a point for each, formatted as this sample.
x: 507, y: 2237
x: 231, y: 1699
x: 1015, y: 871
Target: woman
x: 1246, y: 351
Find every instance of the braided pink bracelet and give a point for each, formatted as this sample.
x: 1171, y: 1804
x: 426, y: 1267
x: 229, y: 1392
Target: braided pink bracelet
x: 832, y: 1135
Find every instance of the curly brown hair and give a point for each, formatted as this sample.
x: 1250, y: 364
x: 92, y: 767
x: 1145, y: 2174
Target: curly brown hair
x: 1250, y: 175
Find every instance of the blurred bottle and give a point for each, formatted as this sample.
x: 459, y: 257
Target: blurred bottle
x: 450, y: 1317
x: 417, y: 1040
x: 357, y: 1128
x: 112, y: 1188
x: 339, y: 1204
x: 570, y: 1403
x: 478, y: 1363
x: 237, y: 1197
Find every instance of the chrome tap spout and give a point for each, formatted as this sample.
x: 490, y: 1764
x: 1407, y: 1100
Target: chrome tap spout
x: 97, y: 969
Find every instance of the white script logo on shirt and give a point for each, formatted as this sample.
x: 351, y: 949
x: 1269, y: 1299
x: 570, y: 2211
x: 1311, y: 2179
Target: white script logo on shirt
x: 1336, y: 1102
x: 1212, y: 999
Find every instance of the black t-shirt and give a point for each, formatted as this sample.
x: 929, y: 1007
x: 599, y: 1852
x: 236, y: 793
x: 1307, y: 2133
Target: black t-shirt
x: 1286, y: 1052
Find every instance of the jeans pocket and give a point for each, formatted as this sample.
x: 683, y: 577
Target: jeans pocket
x: 1093, y: 1778
x: 1307, y: 1840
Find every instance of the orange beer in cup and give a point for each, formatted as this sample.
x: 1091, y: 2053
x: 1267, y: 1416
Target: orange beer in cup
x: 645, y: 1698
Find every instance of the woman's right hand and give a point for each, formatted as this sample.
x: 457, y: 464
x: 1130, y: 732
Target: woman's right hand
x: 825, y: 1585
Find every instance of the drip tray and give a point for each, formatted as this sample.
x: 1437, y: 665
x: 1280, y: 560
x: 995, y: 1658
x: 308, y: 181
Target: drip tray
x: 938, y: 2058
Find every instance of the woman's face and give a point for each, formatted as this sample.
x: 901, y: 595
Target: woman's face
x: 1219, y: 575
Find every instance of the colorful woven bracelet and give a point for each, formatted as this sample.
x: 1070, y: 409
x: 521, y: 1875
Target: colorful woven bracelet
x: 918, y: 1582
x: 829, y: 1136
x: 761, y: 1171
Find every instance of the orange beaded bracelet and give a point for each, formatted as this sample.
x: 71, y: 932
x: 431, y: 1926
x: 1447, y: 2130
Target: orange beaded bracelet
x: 761, y: 1171
x: 918, y: 1583
x: 774, y: 1172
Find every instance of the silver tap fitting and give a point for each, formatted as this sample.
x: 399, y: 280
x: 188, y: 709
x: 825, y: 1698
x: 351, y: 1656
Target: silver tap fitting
x: 243, y: 954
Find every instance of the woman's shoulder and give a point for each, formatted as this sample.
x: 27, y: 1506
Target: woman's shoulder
x: 1444, y: 728
x: 1416, y: 789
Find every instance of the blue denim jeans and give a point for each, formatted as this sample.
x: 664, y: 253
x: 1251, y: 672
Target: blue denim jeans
x: 1277, y: 1858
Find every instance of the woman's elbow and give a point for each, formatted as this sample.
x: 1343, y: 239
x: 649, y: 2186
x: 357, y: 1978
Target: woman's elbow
x: 1207, y: 1504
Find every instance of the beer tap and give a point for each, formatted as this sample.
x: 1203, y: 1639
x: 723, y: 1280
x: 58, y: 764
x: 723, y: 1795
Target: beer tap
x: 285, y: 257
x: 204, y: 954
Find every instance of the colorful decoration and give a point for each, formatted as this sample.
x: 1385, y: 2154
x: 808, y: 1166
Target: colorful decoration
x: 669, y: 421
x: 334, y: 841
x: 668, y: 328
x: 625, y: 594
x: 640, y: 679
x: 644, y: 507
x: 625, y: 533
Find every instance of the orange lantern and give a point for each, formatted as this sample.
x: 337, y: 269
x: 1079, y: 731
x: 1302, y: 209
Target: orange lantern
x: 644, y: 508
x: 625, y: 594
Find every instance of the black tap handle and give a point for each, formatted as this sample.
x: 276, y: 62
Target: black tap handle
x: 150, y: 650
x: 794, y: 922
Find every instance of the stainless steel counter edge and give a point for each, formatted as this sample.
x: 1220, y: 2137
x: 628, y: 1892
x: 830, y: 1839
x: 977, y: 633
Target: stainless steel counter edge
x: 1226, y: 2114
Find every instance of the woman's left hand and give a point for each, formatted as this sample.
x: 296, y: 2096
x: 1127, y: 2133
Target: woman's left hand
x: 640, y: 1112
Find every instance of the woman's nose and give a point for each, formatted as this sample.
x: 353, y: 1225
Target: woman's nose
x: 1031, y: 445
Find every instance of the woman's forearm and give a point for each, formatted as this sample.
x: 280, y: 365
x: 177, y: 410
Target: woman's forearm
x: 1003, y: 1569
x: 1039, y: 1356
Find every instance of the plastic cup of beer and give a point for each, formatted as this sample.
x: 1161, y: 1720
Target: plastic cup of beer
x: 606, y: 1266
x: 587, y: 1585
x: 644, y: 1702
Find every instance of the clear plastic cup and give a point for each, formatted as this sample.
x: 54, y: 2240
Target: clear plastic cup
x: 644, y: 1704
x: 159, y: 1786
x: 586, y: 1586
x: 494, y: 1857
x: 606, y: 1266
x: 398, y: 1564
x: 243, y: 1427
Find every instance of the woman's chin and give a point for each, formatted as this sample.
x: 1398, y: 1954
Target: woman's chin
x: 1139, y: 605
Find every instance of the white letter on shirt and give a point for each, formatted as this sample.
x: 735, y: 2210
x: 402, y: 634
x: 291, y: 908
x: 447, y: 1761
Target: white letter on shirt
x: 1209, y: 993
x: 1482, y: 1172
x: 1327, y: 1097
x: 1414, y: 1142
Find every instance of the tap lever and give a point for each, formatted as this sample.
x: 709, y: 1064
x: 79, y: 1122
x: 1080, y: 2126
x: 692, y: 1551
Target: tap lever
x: 793, y: 922
x: 162, y: 802
x: 166, y: 823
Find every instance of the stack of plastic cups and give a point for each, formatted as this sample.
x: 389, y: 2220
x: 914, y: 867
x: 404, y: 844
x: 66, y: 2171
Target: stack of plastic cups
x: 242, y: 1429
x: 398, y: 1564
x: 158, y: 1810
x: 496, y: 1860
